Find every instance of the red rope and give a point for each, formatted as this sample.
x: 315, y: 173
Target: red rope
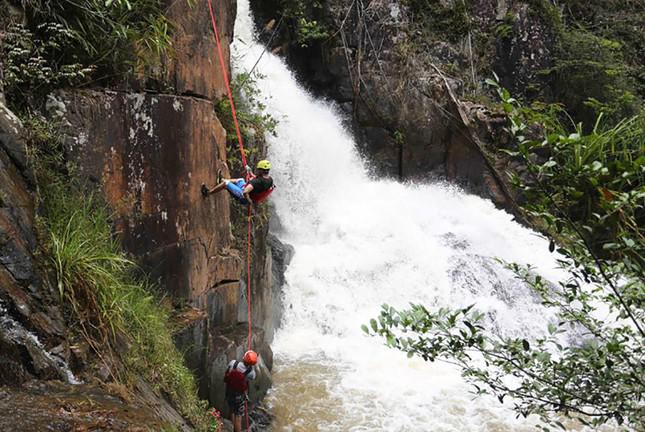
x: 241, y: 144
x: 226, y: 81
x: 248, y: 272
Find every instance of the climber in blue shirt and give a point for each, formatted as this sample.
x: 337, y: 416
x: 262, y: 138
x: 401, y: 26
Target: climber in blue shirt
x: 257, y: 189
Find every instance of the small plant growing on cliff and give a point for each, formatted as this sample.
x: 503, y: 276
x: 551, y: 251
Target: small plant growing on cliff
x: 309, y: 31
x: 215, y: 421
x: 253, y: 119
x: 31, y: 66
x: 307, y: 28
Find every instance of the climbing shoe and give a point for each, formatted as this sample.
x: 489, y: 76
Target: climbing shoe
x: 204, y: 190
x: 219, y: 176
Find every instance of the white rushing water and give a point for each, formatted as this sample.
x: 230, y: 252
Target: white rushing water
x: 17, y: 333
x: 362, y: 242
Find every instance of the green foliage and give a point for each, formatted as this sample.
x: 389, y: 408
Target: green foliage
x: 595, y: 180
x: 110, y: 34
x: 596, y: 57
x: 72, y: 41
x: 110, y: 303
x: 308, y: 31
x: 591, y: 76
x: 504, y: 29
x: 303, y: 15
x: 593, y: 382
x: 616, y: 20
x: 588, y: 190
x: 399, y: 137
x: 436, y: 18
x: 32, y: 66
x: 252, y: 117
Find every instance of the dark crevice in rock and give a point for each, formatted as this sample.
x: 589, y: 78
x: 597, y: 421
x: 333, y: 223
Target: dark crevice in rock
x: 224, y: 282
x: 195, y: 96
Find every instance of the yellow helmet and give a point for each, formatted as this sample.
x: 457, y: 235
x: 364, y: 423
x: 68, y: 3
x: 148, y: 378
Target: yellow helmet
x: 264, y: 164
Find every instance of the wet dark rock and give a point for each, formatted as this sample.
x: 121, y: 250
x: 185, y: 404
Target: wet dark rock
x: 282, y: 254
x: 12, y: 372
x: 11, y: 137
x: 527, y: 52
x: 261, y: 419
x: 150, y: 398
x: 54, y: 406
x: 27, y: 330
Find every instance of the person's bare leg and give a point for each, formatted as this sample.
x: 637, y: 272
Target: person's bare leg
x: 218, y: 188
x: 221, y: 184
x: 237, y: 423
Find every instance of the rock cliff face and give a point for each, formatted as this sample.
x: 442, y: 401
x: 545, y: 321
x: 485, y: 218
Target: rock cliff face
x: 397, y: 86
x: 28, y: 310
x: 149, y: 153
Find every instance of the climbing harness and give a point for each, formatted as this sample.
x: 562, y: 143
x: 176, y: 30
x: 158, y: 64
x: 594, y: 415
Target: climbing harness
x: 243, y: 156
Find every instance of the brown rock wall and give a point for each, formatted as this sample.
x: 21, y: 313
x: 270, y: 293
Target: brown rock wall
x: 151, y: 153
x: 194, y: 67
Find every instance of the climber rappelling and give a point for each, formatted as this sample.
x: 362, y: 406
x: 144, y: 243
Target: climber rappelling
x: 252, y: 190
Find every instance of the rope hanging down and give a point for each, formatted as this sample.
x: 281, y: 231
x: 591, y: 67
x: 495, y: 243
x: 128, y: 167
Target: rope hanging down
x: 241, y: 144
x: 228, y: 85
x: 243, y: 156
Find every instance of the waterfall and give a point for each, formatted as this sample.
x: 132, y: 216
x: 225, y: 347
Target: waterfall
x: 15, y: 332
x: 361, y: 242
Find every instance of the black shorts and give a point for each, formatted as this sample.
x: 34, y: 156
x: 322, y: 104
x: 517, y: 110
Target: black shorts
x: 237, y: 403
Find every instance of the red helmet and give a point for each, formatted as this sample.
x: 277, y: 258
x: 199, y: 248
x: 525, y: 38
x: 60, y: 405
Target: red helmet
x: 250, y: 358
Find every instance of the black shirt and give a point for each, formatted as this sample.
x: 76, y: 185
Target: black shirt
x: 261, y: 184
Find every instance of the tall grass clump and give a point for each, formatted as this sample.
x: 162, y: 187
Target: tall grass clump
x: 116, y: 309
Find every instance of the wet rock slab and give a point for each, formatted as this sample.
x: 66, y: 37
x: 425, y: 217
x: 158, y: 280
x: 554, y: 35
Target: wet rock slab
x: 54, y: 406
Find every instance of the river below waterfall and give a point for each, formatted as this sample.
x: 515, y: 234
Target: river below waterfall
x: 361, y: 242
